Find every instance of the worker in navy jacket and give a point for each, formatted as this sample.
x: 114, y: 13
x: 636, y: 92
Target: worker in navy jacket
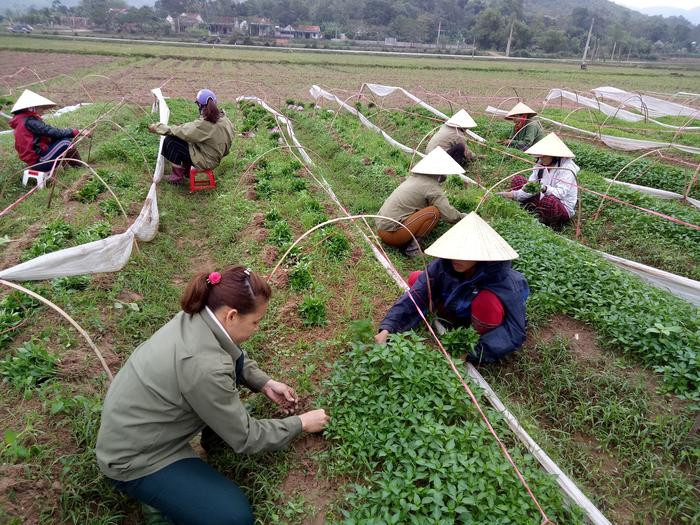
x: 471, y: 283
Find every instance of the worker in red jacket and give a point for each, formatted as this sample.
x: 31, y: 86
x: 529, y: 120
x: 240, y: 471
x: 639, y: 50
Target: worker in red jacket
x: 37, y: 143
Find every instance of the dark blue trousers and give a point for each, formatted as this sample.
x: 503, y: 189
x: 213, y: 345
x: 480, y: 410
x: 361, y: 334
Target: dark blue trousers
x: 190, y: 492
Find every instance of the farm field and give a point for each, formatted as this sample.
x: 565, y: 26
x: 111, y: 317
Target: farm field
x: 608, y: 382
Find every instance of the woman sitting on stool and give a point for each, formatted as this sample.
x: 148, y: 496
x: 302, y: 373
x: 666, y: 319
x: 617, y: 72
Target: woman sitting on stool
x: 37, y: 143
x: 202, y: 143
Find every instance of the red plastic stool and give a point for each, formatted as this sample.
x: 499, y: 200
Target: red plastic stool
x: 197, y: 184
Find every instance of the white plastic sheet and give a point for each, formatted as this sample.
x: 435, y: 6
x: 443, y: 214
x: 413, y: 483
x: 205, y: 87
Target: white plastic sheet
x: 646, y: 104
x: 384, y: 91
x: 317, y: 92
x: 679, y: 286
x: 607, y: 109
x: 567, y: 485
x: 661, y: 194
x: 106, y: 255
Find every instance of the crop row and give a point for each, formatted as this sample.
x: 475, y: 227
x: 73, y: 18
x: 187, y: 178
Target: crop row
x: 563, y: 277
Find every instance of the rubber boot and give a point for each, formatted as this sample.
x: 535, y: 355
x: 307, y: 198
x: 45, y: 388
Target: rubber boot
x: 178, y: 175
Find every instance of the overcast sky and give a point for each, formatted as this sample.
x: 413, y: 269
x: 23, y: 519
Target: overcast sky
x: 683, y: 4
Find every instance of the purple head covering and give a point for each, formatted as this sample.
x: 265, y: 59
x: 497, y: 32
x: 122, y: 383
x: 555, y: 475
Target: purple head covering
x: 204, y: 96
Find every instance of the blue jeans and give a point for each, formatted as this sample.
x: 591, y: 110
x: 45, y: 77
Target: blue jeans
x: 190, y: 492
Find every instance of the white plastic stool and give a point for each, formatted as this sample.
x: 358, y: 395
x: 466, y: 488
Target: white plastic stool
x: 38, y: 176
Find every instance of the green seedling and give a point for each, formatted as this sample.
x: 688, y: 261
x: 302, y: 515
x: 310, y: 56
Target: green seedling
x: 313, y: 311
x: 30, y: 366
x: 532, y: 187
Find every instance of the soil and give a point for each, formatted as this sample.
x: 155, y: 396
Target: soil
x: 582, y: 338
x: 31, y: 70
x: 305, y: 480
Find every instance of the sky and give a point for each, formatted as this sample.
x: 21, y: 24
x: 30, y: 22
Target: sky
x: 682, y: 4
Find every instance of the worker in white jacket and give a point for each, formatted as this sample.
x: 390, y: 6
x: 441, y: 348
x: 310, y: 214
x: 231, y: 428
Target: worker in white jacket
x: 551, y: 192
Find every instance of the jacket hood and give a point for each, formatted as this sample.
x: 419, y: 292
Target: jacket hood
x: 18, y: 117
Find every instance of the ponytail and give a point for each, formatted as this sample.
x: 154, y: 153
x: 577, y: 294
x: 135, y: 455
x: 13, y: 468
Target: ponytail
x: 211, y: 112
x: 236, y: 287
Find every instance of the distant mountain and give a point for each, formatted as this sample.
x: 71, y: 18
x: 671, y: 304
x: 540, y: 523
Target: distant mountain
x: 692, y: 15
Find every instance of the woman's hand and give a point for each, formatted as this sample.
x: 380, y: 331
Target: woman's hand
x: 152, y: 127
x: 282, y: 395
x: 381, y: 337
x: 506, y: 194
x: 84, y: 133
x: 314, y: 420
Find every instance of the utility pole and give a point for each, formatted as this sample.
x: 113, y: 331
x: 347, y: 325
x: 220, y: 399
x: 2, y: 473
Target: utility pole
x: 437, y: 42
x: 588, y: 42
x: 473, y: 48
x: 510, y: 38
x: 612, y: 56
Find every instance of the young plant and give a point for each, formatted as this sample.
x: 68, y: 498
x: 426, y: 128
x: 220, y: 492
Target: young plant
x: 31, y: 365
x: 300, y: 277
x: 53, y: 237
x: 313, y: 311
x: 281, y: 233
x: 90, y: 190
x: 532, y: 187
x: 460, y: 341
x: 336, y: 245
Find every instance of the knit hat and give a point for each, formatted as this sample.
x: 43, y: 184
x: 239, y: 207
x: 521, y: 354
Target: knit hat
x: 29, y: 99
x: 461, y: 119
x: 437, y: 162
x: 472, y: 239
x: 550, y: 146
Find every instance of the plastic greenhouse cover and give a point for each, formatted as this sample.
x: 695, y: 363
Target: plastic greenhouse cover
x: 317, y: 92
x: 382, y: 91
x: 661, y: 194
x: 106, y: 255
x: 652, y: 106
x: 567, y: 485
x: 611, y: 111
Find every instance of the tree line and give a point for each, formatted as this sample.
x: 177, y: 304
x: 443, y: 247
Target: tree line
x: 546, y: 27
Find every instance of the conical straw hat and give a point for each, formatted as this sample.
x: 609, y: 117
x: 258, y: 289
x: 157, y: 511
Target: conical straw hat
x: 521, y: 109
x: 461, y: 119
x: 437, y: 162
x: 550, y: 146
x: 29, y: 99
x: 472, y: 239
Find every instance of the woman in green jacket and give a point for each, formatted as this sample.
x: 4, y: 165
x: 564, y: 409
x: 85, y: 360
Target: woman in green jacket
x: 184, y: 380
x: 202, y: 143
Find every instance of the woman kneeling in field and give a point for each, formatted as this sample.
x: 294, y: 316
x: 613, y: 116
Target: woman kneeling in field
x: 202, y: 143
x: 551, y: 192
x: 472, y: 283
x: 184, y: 380
x: 419, y: 202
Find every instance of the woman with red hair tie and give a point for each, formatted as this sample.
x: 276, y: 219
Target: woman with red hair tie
x: 471, y: 283
x: 187, y: 379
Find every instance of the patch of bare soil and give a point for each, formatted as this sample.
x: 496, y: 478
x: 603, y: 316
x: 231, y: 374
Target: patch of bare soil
x: 582, y: 338
x: 270, y: 255
x: 305, y: 480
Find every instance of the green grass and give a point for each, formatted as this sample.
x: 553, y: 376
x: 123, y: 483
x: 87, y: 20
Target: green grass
x: 208, y: 230
x: 618, y: 229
